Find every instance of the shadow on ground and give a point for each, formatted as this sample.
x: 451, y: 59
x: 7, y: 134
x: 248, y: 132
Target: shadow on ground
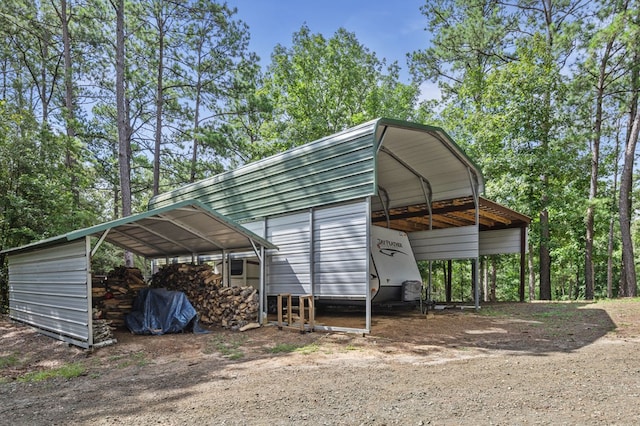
x: 158, y: 372
x: 530, y: 328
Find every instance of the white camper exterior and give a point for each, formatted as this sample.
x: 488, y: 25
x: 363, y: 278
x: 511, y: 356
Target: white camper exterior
x: 394, y: 270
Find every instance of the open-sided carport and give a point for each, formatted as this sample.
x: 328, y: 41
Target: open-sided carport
x: 50, y: 280
x: 318, y: 203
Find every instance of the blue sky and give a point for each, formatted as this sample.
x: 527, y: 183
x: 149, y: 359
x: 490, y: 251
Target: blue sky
x: 389, y: 28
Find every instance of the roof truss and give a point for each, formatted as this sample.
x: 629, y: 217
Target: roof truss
x: 452, y: 213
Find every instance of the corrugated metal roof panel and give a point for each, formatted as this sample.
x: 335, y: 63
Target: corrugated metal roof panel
x: 333, y: 169
x: 455, y: 153
x: 182, y: 228
x: 342, y: 167
x: 406, y: 152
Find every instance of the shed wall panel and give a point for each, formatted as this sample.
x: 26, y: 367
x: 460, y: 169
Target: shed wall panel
x: 502, y: 241
x: 341, y: 255
x: 444, y: 244
x: 49, y: 289
x: 257, y: 227
x: 289, y: 268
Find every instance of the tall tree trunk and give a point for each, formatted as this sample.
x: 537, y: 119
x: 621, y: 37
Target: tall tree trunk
x: 589, y: 272
x: 449, y: 281
x: 196, y: 143
x: 124, y: 144
x: 116, y: 202
x: 612, y: 221
x: 494, y: 278
x: 545, y: 234
x: 610, y: 258
x: 532, y: 273
x: 545, y: 255
x: 628, y: 287
x: 626, y: 184
x: 159, y: 103
x: 484, y: 268
x: 196, y: 117
x: 64, y: 14
x: 44, y: 87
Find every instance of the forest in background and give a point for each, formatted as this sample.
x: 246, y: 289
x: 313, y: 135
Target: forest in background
x: 105, y: 103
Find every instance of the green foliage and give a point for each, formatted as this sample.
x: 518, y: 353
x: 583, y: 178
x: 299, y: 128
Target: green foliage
x: 518, y: 96
x: 321, y: 86
x: 8, y: 361
x: 35, y: 200
x: 514, y: 101
x: 68, y: 371
x: 227, y: 347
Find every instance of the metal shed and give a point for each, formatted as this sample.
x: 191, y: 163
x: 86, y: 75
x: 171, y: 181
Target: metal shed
x: 50, y: 280
x: 317, y: 203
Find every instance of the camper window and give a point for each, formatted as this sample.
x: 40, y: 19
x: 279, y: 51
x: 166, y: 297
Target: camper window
x: 237, y: 267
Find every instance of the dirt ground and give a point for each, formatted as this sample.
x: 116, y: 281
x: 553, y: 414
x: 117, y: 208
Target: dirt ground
x: 509, y: 364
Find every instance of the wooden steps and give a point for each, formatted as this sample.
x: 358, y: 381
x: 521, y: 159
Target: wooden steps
x: 305, y: 310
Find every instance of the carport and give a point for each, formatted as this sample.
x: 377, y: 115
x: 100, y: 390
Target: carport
x: 501, y: 230
x: 50, y: 280
x: 318, y: 202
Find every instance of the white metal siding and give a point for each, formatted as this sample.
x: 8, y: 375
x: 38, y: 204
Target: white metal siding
x: 340, y: 248
x: 502, y: 241
x: 50, y: 289
x: 443, y: 244
x: 257, y: 227
x: 289, y: 268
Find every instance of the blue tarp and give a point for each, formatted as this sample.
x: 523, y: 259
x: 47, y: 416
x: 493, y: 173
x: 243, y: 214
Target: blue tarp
x: 160, y: 311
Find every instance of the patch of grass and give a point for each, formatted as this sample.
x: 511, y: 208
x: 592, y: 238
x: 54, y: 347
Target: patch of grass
x: 136, y: 358
x: 283, y: 348
x: 619, y: 300
x: 228, y: 348
x: 8, y: 361
x: 292, y: 347
x: 308, y: 349
x: 558, y: 312
x: 548, y: 312
x: 352, y: 348
x: 68, y: 371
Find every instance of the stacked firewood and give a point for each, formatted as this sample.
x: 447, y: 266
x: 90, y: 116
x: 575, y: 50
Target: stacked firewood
x: 113, y: 296
x: 102, y: 330
x: 230, y: 307
x: 189, y: 279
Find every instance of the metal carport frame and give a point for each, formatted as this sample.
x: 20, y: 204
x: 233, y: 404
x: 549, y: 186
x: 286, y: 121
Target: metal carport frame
x: 50, y: 280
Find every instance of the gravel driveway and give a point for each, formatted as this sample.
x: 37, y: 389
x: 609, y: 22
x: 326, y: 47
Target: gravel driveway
x: 509, y: 364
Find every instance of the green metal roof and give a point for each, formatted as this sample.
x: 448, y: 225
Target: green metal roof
x: 337, y: 168
x: 187, y: 227
x: 348, y: 165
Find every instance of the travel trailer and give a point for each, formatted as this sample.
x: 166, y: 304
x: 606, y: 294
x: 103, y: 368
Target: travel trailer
x: 393, y: 271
